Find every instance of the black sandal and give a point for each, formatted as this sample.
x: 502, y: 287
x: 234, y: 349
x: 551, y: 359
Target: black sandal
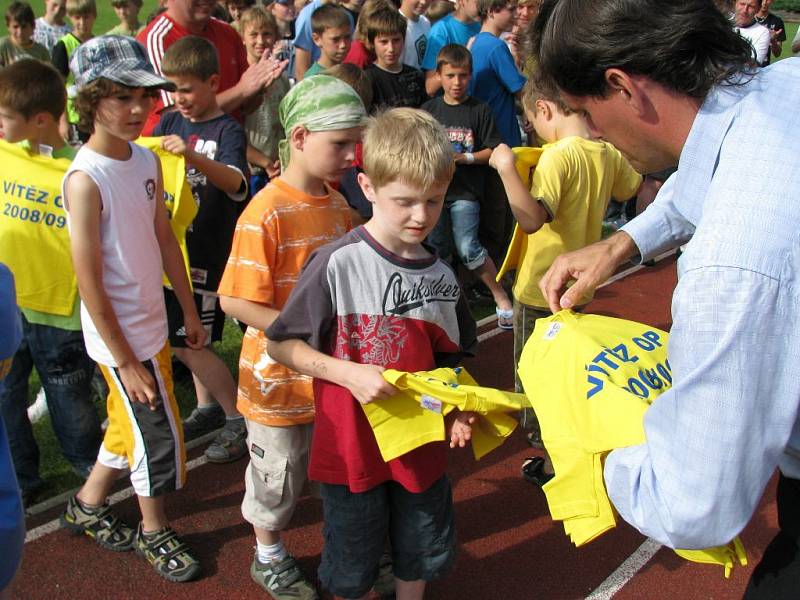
x: 533, y: 471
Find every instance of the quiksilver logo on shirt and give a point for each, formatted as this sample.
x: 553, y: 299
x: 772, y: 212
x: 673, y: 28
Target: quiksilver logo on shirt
x: 402, y: 296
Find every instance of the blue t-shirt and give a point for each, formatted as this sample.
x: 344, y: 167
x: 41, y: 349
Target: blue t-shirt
x: 12, y: 521
x: 302, y: 27
x: 448, y: 30
x: 495, y: 80
x: 209, y: 237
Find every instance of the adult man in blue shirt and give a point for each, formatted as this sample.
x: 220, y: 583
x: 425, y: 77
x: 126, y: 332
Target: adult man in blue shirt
x: 669, y: 95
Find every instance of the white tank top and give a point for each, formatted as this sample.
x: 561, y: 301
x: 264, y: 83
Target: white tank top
x: 131, y: 255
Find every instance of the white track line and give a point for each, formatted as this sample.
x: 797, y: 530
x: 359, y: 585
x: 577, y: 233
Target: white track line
x: 625, y: 572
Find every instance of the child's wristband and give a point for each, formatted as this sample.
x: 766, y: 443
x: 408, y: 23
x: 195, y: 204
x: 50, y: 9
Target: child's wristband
x: 469, y: 157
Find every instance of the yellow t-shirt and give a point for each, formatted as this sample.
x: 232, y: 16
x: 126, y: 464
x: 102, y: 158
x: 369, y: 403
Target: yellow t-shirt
x: 575, y: 178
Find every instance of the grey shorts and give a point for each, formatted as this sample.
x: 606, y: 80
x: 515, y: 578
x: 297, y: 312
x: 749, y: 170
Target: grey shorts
x: 276, y: 474
x: 420, y: 527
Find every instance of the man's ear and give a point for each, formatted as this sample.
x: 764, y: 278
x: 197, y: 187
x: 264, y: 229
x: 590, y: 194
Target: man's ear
x: 366, y: 186
x: 622, y: 84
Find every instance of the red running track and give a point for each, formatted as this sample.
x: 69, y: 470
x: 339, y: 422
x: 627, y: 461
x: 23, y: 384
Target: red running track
x: 508, y: 547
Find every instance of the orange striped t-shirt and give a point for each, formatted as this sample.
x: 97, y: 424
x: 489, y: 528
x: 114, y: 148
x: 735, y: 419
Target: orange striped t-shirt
x: 274, y: 237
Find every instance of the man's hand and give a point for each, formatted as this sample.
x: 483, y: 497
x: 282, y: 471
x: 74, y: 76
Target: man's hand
x: 461, y: 429
x: 502, y: 158
x: 138, y: 383
x: 174, y: 144
x: 196, y: 334
x: 367, y: 384
x: 261, y: 74
x: 589, y: 267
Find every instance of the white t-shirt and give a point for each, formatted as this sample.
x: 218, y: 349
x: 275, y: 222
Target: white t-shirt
x: 758, y: 36
x: 416, y: 41
x: 131, y: 255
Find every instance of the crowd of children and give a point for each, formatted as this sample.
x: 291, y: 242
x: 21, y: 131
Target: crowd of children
x: 271, y: 118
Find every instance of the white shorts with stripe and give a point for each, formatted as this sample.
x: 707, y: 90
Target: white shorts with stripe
x: 148, y: 442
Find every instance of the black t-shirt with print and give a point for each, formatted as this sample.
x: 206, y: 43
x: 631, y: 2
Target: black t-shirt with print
x: 394, y: 90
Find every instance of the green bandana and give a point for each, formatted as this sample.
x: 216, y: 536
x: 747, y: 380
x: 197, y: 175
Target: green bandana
x: 319, y: 103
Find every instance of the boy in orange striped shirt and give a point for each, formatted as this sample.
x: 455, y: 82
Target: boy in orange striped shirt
x: 283, y: 224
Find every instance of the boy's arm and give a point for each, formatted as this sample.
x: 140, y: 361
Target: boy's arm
x: 302, y: 62
x: 84, y: 205
x: 365, y: 382
x: 220, y: 175
x: 248, y: 312
x: 478, y: 158
x: 174, y: 267
x: 529, y: 213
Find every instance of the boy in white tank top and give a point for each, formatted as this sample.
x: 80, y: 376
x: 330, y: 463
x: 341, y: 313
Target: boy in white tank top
x: 121, y: 241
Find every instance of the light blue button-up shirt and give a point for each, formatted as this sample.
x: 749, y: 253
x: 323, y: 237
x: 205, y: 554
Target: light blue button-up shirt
x: 715, y: 438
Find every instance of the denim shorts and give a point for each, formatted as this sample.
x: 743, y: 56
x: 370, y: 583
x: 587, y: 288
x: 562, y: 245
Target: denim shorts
x: 458, y: 227
x: 420, y: 528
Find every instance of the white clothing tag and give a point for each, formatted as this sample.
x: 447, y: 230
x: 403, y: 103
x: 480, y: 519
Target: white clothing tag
x: 432, y: 404
x: 552, y: 330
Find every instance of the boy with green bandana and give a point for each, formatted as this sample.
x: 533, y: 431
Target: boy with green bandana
x: 284, y: 223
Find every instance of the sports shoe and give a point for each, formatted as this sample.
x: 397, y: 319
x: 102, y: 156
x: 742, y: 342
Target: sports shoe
x: 230, y: 444
x: 169, y: 556
x: 283, y: 579
x: 200, y: 423
x: 100, y: 524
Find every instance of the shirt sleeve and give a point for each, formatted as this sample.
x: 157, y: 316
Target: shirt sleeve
x: 310, y: 312
x: 715, y: 438
x: 248, y: 273
x: 437, y: 37
x: 506, y: 69
x: 487, y: 130
x: 232, y: 151
x: 548, y: 179
x: 662, y: 226
x: 627, y: 181
x: 302, y: 36
x: 60, y: 58
x: 761, y: 46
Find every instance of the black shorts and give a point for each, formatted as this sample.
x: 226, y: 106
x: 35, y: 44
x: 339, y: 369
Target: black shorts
x: 208, y: 308
x: 420, y: 526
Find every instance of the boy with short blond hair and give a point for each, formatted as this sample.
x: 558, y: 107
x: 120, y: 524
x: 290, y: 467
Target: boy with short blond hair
x: 214, y: 147
x: 470, y: 128
x: 283, y: 225
x: 32, y: 100
x: 330, y: 31
x: 121, y: 244
x: 344, y: 330
x: 51, y: 27
x: 259, y: 31
x: 127, y: 12
x: 19, y: 43
x: 83, y: 14
x: 563, y: 208
x: 394, y: 84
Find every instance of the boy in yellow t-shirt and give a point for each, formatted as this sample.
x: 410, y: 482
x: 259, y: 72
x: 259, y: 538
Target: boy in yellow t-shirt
x: 284, y: 223
x: 563, y: 210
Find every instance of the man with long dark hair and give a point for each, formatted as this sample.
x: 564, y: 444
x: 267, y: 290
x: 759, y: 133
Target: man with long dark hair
x: 668, y: 82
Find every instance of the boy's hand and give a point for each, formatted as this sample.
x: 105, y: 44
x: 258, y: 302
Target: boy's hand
x: 367, y: 384
x: 138, y: 383
x: 196, y: 334
x: 502, y: 158
x: 273, y: 169
x: 461, y: 429
x: 174, y: 144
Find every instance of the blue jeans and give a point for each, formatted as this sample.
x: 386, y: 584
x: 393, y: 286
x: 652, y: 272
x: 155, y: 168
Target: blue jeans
x: 65, y: 371
x: 458, y: 226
